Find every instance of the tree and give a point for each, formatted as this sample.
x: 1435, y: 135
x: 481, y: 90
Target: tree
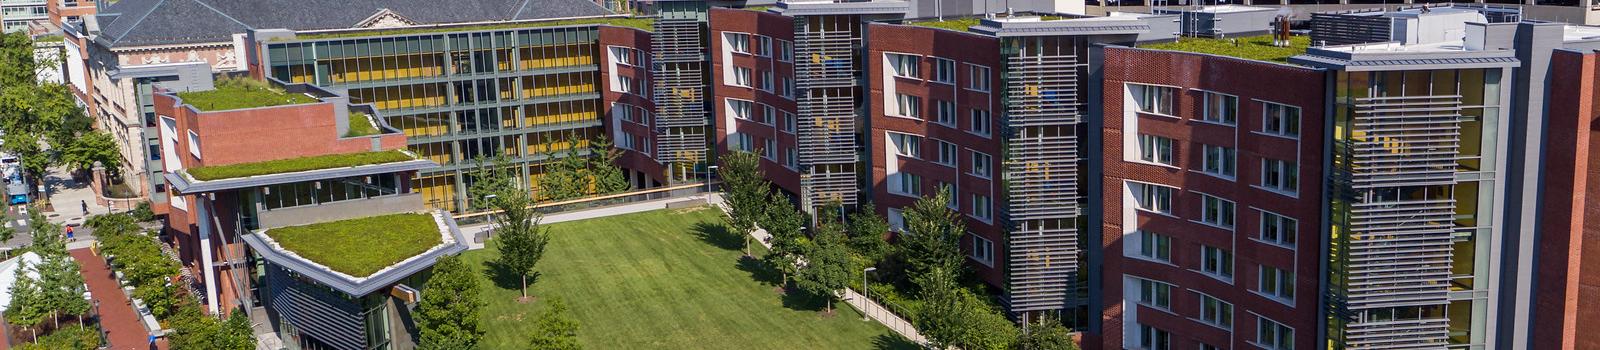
x: 491, y: 176
x: 192, y: 329
x: 608, y: 177
x: 557, y: 330
x: 448, y: 317
x: 1046, y: 334
x: 783, y: 222
x: 565, y: 175
x: 62, y: 286
x: 28, y: 306
x: 943, y: 317
x: 747, y: 189
x: 933, y: 240
x: 866, y: 233
x: 236, y: 333
x: 6, y: 234
x: 828, y: 266
x: 522, y: 240
x: 16, y: 60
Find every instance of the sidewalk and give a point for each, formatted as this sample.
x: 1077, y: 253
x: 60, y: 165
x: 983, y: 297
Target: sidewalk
x: 861, y: 303
x: 123, y: 329
x: 68, y: 196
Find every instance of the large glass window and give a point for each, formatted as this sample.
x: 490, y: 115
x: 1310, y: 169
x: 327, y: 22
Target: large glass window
x: 1216, y: 211
x: 1221, y: 108
x: 1273, y: 335
x: 1281, y: 120
x: 1154, y: 99
x: 1276, y: 282
x: 944, y: 71
x: 906, y: 145
x: 1155, y: 294
x: 1215, y: 311
x: 1155, y: 149
x: 328, y: 191
x: 1278, y: 229
x: 1155, y: 246
x: 904, y: 66
x: 1220, y: 161
x: 1280, y: 175
x: 1154, y: 198
x: 1216, y: 261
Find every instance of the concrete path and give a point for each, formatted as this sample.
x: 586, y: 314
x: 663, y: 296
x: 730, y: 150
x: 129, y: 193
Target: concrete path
x: 68, y: 196
x: 861, y: 303
x: 637, y: 207
x: 123, y: 329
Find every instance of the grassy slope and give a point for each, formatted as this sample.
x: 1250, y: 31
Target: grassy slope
x: 666, y: 280
x: 360, y: 247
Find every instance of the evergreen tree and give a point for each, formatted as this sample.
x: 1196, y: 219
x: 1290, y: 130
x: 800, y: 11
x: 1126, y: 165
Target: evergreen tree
x: 828, y: 266
x: 783, y: 222
x: 491, y: 176
x: 521, y: 240
x: 608, y: 177
x: 866, y: 233
x: 934, y: 238
x: 746, y: 193
x: 564, y: 175
x: 29, y: 305
x: 557, y: 330
x: 62, y: 287
x: 448, y: 317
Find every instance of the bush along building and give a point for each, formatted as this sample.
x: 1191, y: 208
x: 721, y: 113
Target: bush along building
x: 290, y: 201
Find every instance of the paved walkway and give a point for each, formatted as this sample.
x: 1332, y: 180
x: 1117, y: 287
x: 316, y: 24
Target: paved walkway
x: 117, y: 317
x: 68, y: 196
x: 863, y: 304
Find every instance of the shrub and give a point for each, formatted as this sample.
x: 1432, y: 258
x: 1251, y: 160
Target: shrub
x: 68, y: 338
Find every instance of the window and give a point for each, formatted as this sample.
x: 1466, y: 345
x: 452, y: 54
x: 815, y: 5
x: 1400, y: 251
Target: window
x: 1280, y: 175
x: 628, y: 113
x: 1155, y: 246
x: 896, y: 219
x: 980, y: 122
x: 944, y: 71
x: 1152, y: 338
x: 742, y: 142
x: 1153, y: 99
x: 740, y: 108
x: 906, y: 145
x: 1220, y: 161
x: 766, y: 81
x: 1216, y: 312
x: 786, y: 88
x: 947, y: 153
x: 1154, y: 198
x: 625, y: 56
x: 1277, y: 283
x: 627, y: 85
x: 1278, y: 229
x: 1273, y: 335
x: 980, y: 208
x: 945, y: 112
x: 791, y: 158
x: 1221, y: 108
x: 769, y: 115
x: 627, y: 142
x: 1155, y: 149
x: 954, y: 201
x: 978, y: 78
x: 1216, y: 211
x: 982, y: 250
x: 980, y: 164
x: 1204, y: 346
x: 1216, y: 261
x: 789, y: 123
x: 763, y: 46
x: 785, y: 51
x: 908, y: 105
x: 904, y: 66
x: 1281, y: 120
x: 738, y: 42
x: 769, y: 149
x: 741, y: 77
x: 906, y: 184
x: 1155, y: 294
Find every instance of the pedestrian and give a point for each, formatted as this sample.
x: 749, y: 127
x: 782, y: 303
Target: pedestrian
x: 85, y: 207
x: 69, y: 232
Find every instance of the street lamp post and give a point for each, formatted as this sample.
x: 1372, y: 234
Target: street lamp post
x: 710, y: 170
x: 864, y: 298
x: 490, y: 232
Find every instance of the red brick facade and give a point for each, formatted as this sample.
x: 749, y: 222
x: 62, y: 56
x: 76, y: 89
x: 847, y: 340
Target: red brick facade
x: 779, y: 29
x: 639, y: 157
x: 1567, y: 297
x: 1253, y: 83
x: 964, y: 50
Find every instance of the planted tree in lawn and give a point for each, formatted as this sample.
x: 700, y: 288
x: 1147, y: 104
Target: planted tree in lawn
x: 746, y: 193
x: 866, y: 233
x: 783, y: 222
x: 557, y: 330
x: 448, y: 317
x: 1046, y: 334
x: 522, y: 240
x: 828, y: 266
x: 933, y: 238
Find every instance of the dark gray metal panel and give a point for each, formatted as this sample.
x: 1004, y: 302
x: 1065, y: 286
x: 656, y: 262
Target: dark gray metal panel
x: 1345, y: 28
x: 329, y: 317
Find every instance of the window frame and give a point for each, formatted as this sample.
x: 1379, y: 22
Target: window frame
x: 1154, y: 99
x: 1288, y: 123
x: 983, y: 128
x: 976, y: 81
x: 1230, y: 112
x: 1156, y: 149
x: 904, y: 65
x: 1217, y: 262
x: 1225, y: 214
x: 1220, y: 313
x: 944, y: 71
x: 1219, y: 161
x: 1287, y: 229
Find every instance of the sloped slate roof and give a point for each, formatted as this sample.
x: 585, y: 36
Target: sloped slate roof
x: 165, y: 22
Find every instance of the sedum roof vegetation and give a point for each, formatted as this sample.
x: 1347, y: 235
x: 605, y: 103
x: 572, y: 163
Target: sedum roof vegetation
x: 241, y: 93
x: 331, y: 161
x: 956, y: 24
x: 361, y: 247
x: 360, y: 125
x: 646, y: 24
x: 1255, y: 47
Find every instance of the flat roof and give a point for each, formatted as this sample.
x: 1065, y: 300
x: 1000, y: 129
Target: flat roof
x: 1580, y: 33
x: 334, y: 253
x: 1396, y: 56
x: 1224, y: 9
x: 1030, y: 25
x: 302, y: 169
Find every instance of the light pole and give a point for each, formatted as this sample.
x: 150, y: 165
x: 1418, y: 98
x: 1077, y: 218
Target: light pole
x: 489, y: 198
x: 709, y: 171
x: 864, y: 298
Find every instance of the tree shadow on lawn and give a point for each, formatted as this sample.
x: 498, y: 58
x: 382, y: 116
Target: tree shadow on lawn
x: 718, y: 235
x: 891, y: 341
x: 759, y: 271
x: 504, y: 277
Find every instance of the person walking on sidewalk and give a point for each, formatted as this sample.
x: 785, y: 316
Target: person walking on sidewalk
x: 85, y: 207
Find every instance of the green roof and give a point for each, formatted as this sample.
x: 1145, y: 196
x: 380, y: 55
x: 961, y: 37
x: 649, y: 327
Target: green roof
x: 331, y: 161
x: 241, y: 93
x: 956, y: 24
x: 361, y: 247
x: 646, y: 24
x: 1255, y: 48
x: 360, y: 125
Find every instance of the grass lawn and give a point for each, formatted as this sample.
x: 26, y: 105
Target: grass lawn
x: 666, y: 279
x: 331, y: 161
x: 360, y: 125
x: 959, y: 24
x: 241, y: 93
x: 360, y: 247
x: 1256, y: 47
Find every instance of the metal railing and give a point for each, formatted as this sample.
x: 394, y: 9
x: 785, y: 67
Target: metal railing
x: 598, y: 201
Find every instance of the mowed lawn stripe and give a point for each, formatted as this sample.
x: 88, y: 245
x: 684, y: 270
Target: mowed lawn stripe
x: 650, y: 281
